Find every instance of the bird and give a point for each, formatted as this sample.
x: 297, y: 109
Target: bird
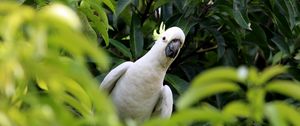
x: 136, y: 88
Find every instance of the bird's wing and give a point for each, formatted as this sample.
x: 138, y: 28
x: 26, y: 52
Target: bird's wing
x: 113, y: 76
x: 164, y: 104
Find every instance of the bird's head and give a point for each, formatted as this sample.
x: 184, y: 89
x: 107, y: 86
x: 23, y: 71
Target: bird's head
x: 166, y: 47
x: 172, y: 41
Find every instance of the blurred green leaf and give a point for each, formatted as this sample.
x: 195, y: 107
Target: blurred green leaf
x: 256, y: 97
x: 288, y: 88
x: 200, y: 92
x: 38, y: 83
x: 270, y: 73
x: 274, y: 115
x: 237, y: 109
x: 198, y: 114
x: 110, y: 4
x: 215, y: 75
x: 281, y: 114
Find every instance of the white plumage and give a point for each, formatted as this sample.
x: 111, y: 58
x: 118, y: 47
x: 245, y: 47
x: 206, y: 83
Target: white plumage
x: 137, y: 89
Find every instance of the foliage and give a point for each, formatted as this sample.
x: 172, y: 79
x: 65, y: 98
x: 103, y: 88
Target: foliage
x: 43, y: 69
x: 48, y: 59
x: 252, y: 106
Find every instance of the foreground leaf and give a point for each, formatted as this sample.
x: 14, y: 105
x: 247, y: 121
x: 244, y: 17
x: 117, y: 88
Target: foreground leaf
x: 198, y: 93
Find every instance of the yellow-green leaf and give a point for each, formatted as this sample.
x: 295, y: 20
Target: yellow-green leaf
x: 198, y: 93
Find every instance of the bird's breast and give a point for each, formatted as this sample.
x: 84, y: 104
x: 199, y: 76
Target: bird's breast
x: 137, y: 91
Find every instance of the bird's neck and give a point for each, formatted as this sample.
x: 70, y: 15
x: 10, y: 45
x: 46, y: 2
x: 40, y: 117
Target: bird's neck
x: 156, y: 57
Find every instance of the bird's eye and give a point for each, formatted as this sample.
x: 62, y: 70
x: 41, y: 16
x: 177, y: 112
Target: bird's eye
x: 164, y: 38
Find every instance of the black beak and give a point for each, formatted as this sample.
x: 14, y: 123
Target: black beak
x: 172, y: 48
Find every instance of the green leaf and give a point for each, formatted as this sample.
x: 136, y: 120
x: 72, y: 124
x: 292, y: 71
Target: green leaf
x: 122, y: 4
x: 256, y: 97
x: 136, y: 37
x: 200, y: 92
x: 192, y: 115
x: 280, y: 114
x: 159, y: 3
x: 237, y: 109
x: 185, y: 24
x: 288, y: 88
x: 110, y: 4
x: 216, y: 74
x: 291, y: 7
x: 259, y: 37
x: 279, y: 56
x: 99, y: 20
x: 200, y: 114
x: 78, y: 92
x: 270, y: 73
x: 281, y: 44
x: 87, y: 29
x: 220, y: 40
x: 179, y: 84
x: 121, y: 47
x: 274, y: 116
x: 282, y: 23
x: 76, y: 104
x: 242, y: 20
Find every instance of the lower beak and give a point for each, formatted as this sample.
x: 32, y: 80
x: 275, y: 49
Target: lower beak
x: 173, y: 48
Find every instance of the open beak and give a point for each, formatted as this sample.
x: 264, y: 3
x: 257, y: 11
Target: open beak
x: 173, y: 48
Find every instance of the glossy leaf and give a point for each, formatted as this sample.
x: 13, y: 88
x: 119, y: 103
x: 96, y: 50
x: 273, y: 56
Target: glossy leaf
x: 121, y: 5
x: 136, y: 37
x: 240, y: 18
x: 221, y: 42
x: 291, y: 7
x: 179, y: 84
x: 185, y: 24
x: 281, y: 44
x: 121, y: 47
x: 259, y: 37
x: 159, y: 3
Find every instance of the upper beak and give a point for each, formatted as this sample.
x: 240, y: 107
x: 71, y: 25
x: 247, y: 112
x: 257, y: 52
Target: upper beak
x: 173, y: 48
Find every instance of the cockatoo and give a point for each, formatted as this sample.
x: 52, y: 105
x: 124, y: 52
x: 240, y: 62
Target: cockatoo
x: 137, y: 89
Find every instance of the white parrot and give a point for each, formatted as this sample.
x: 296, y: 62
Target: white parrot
x: 137, y: 89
